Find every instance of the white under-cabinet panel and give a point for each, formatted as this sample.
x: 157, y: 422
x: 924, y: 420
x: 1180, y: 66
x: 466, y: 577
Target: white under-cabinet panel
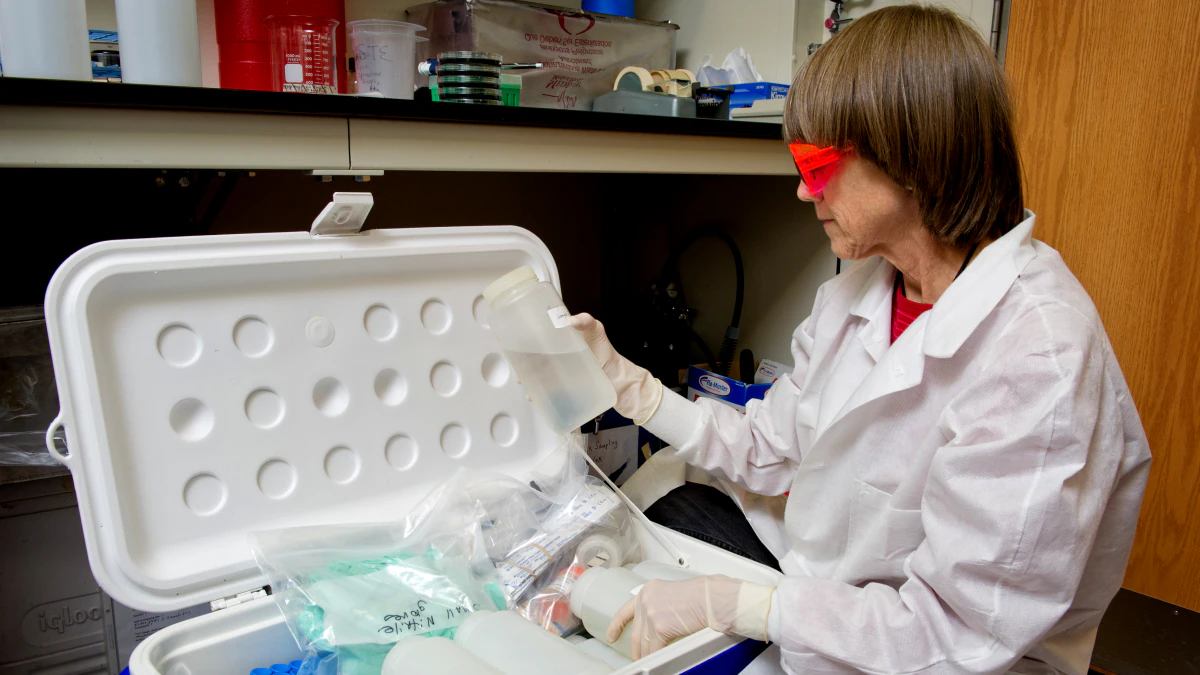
x: 443, y: 146
x: 79, y: 137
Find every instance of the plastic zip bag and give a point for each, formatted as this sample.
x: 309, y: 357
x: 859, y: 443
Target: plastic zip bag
x: 575, y: 521
x: 349, y: 592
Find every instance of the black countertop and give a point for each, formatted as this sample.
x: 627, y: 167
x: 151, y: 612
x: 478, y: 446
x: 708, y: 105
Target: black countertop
x: 20, y: 91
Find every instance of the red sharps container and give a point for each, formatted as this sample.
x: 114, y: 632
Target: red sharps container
x: 244, y: 45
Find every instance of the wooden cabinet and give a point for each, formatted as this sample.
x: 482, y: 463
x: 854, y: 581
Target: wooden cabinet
x: 1108, y: 110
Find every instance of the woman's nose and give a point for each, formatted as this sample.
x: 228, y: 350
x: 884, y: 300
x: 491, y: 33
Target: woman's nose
x: 804, y: 194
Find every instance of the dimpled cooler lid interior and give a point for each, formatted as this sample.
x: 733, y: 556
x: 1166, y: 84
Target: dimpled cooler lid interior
x: 215, y: 386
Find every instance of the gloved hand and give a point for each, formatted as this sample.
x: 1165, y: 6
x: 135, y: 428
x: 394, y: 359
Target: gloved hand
x: 638, y: 392
x: 664, y: 611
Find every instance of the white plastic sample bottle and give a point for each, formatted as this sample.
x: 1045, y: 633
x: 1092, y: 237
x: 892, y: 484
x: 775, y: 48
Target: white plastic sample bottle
x: 517, y: 646
x: 597, y: 596
x: 549, y: 357
x: 433, y: 656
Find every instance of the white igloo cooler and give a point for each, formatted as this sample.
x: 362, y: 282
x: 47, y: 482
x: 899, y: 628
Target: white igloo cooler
x: 215, y: 386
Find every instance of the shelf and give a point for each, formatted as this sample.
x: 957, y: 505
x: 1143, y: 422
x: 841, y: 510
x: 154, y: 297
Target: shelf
x: 47, y: 123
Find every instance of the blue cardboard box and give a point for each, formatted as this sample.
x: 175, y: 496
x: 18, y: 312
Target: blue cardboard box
x: 745, y: 94
x: 703, y: 384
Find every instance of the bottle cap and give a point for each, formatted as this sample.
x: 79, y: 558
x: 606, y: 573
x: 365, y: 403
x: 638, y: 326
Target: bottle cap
x: 508, y: 282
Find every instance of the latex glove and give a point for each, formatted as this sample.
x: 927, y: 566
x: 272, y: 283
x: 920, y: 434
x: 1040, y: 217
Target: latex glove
x: 664, y: 611
x: 638, y: 392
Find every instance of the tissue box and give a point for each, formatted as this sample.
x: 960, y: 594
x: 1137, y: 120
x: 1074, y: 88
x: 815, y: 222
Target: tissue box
x: 744, y: 95
x: 768, y: 371
x: 583, y: 52
x: 703, y: 384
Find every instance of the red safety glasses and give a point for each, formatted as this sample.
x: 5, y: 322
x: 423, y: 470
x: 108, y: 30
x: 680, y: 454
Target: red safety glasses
x: 816, y: 165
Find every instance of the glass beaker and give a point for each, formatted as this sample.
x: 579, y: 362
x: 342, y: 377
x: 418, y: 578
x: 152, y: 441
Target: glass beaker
x: 303, y: 54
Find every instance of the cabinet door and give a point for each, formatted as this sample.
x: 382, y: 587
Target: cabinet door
x: 1108, y: 110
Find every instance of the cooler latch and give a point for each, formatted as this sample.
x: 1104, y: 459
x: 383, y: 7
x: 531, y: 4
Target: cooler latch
x: 344, y: 215
x: 235, y: 600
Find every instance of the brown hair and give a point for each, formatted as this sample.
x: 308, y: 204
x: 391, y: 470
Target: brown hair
x: 917, y: 92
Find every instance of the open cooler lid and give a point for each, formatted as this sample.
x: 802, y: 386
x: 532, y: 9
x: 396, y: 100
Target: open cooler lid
x: 215, y: 386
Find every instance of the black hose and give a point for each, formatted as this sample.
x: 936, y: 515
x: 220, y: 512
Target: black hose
x: 724, y: 361
x: 671, y: 269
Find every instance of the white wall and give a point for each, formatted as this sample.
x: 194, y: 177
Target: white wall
x: 775, y: 32
x: 102, y: 14
x: 977, y: 12
x: 717, y: 27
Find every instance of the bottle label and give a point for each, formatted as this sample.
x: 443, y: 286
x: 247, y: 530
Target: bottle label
x: 559, y: 316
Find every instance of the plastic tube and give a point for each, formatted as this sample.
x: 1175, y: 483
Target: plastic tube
x: 159, y: 42
x: 517, y: 647
x: 45, y: 39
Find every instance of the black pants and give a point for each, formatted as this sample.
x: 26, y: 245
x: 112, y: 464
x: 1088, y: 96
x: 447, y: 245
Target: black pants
x: 709, y: 515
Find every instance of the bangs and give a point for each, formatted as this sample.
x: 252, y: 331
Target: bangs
x: 817, y: 105
x: 917, y: 92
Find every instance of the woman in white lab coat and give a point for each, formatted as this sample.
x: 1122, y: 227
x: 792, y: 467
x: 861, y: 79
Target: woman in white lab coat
x: 964, y: 461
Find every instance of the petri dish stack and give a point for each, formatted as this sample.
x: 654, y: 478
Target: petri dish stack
x: 469, y: 77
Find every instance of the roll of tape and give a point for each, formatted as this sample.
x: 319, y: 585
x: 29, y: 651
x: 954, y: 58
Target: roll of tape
x: 600, y: 550
x: 637, y: 75
x: 682, y: 74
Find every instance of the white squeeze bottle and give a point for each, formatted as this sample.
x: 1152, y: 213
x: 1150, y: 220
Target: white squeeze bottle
x: 516, y: 646
x: 598, y: 595
x: 433, y: 656
x: 550, y: 358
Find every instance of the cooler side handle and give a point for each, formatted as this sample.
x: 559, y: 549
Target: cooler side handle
x: 51, y: 446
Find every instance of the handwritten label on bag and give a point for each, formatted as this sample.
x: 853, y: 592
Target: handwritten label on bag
x: 422, y: 619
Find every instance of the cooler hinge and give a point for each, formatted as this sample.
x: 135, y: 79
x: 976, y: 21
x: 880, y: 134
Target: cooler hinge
x: 235, y: 600
x: 345, y: 215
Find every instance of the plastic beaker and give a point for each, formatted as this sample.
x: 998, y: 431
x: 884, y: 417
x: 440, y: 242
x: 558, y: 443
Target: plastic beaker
x: 303, y: 54
x: 385, y: 56
x: 46, y: 39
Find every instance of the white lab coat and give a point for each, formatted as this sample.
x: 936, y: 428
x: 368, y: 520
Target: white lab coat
x: 960, y: 499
